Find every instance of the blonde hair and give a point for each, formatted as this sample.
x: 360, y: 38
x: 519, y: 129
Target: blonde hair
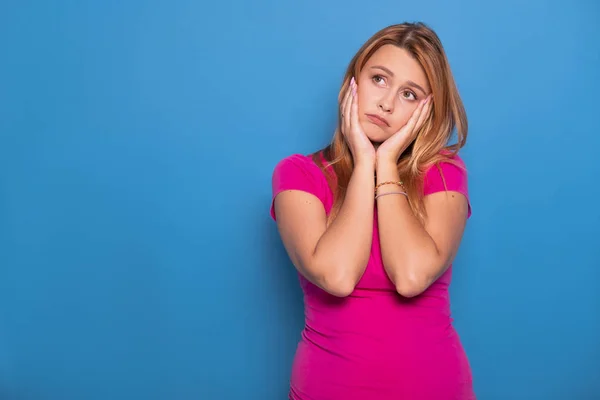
x: 431, y: 144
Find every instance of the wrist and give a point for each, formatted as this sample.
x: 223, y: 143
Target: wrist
x: 387, y: 155
x: 365, y: 163
x: 386, y: 159
x: 386, y: 169
x: 388, y: 178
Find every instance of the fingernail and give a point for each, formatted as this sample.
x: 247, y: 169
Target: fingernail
x: 352, y: 81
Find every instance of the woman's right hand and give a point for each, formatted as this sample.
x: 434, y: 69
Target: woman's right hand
x: 360, y: 146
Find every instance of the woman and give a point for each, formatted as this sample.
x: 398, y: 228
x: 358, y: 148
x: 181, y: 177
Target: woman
x: 372, y: 224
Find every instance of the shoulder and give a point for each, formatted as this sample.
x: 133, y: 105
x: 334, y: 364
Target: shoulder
x: 293, y: 165
x: 299, y: 172
x: 295, y: 170
x: 448, y: 174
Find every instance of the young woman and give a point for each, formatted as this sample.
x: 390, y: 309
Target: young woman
x: 373, y: 222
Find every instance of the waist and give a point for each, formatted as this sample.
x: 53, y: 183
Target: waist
x: 375, y: 309
x: 377, y: 319
x: 381, y: 365
x: 381, y: 343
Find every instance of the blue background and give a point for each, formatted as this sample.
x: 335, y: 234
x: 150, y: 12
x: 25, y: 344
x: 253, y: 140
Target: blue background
x: 137, y: 256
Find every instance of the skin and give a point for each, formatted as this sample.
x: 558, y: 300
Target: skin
x: 414, y: 254
x: 392, y: 84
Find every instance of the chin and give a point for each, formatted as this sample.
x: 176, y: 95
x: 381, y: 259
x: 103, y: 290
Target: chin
x: 377, y: 135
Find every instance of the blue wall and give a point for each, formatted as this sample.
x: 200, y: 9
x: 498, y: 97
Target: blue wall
x: 137, y: 257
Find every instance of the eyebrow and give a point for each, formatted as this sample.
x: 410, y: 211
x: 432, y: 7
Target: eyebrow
x: 409, y: 82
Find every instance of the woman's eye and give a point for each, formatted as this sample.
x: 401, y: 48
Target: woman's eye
x: 408, y: 95
x: 378, y: 79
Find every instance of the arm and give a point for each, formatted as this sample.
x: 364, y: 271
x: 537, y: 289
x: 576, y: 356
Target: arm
x: 415, y: 255
x: 333, y: 258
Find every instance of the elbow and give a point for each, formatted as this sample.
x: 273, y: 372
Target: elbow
x: 339, y: 287
x: 410, y: 289
x: 412, y: 284
x: 337, y: 278
x: 416, y: 277
x: 339, y: 291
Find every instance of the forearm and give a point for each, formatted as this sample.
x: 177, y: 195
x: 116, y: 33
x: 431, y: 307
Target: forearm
x: 342, y: 252
x: 409, y: 254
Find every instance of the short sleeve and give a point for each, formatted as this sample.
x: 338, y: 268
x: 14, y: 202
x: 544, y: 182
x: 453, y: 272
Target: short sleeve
x: 448, y: 176
x: 297, y: 172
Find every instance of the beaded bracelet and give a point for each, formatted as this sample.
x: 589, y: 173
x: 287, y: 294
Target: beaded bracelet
x: 385, y: 194
x: 399, y: 183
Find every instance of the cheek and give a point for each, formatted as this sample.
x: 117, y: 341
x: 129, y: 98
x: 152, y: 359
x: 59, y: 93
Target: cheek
x: 362, y: 100
x: 402, y: 117
x: 366, y: 97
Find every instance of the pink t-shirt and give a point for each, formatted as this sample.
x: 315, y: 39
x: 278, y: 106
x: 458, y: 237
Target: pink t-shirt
x: 376, y: 344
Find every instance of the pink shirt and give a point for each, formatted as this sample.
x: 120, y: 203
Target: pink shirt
x: 376, y: 344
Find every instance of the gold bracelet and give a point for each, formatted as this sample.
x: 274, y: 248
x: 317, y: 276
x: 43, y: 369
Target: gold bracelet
x: 399, y: 183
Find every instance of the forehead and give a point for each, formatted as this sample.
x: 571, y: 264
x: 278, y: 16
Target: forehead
x: 400, y: 62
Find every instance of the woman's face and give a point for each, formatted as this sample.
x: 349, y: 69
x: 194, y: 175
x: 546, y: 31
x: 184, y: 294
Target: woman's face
x: 390, y: 86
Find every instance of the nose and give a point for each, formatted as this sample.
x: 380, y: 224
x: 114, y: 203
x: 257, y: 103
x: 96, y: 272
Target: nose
x: 386, y: 103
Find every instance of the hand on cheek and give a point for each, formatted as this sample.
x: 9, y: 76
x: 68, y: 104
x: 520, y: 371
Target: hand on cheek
x: 360, y: 146
x: 392, y: 148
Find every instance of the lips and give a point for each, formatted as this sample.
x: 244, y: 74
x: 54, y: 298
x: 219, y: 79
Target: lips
x: 377, y: 120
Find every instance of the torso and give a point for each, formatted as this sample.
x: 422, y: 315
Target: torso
x: 375, y: 344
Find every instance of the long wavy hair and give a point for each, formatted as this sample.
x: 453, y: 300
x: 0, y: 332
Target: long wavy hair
x: 431, y: 145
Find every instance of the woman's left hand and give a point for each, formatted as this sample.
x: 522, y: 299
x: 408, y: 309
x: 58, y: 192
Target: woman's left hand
x: 392, y: 148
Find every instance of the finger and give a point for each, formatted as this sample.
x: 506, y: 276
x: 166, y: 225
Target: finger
x: 425, y: 112
x: 410, y: 125
x: 354, y: 108
x: 348, y: 105
x: 345, y: 99
x: 421, y: 111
